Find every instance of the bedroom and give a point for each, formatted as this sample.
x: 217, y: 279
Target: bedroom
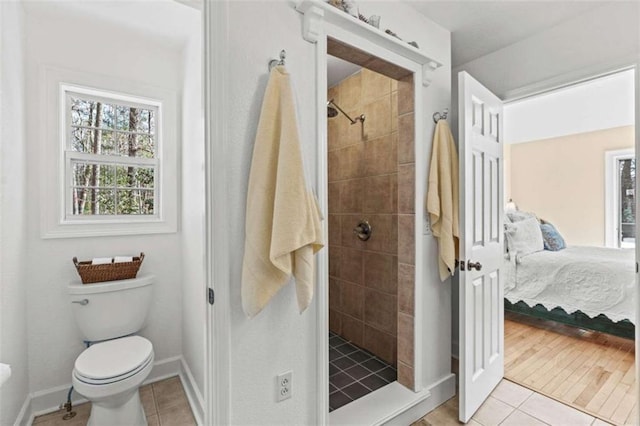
x: 569, y: 316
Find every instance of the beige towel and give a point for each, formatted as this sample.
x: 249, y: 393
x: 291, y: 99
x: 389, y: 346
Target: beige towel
x: 442, y: 198
x: 283, y: 222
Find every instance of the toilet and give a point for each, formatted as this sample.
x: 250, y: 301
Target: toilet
x: 110, y: 371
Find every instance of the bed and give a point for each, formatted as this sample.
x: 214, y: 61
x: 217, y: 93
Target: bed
x: 590, y: 287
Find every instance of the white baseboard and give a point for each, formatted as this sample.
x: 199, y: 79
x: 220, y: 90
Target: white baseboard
x: 49, y: 400
x: 441, y: 392
x: 196, y: 401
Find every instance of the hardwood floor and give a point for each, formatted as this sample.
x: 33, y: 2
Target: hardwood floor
x: 591, y: 371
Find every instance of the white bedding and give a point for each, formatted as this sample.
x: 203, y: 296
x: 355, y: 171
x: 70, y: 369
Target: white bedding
x: 594, y: 280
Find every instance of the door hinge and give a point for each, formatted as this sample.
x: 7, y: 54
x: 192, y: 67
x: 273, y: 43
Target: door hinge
x: 212, y: 296
x: 636, y: 267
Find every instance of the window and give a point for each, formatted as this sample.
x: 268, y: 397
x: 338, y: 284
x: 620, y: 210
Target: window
x: 106, y: 156
x: 111, y: 161
x: 621, y: 198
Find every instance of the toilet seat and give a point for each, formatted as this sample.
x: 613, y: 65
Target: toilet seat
x: 113, y: 361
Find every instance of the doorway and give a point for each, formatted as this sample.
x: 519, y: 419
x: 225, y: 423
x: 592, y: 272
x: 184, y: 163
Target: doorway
x: 578, y: 351
x: 371, y: 180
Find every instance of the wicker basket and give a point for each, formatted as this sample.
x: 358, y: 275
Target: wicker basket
x: 109, y: 271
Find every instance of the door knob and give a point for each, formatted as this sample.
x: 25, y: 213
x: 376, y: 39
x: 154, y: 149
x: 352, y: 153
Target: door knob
x: 473, y: 265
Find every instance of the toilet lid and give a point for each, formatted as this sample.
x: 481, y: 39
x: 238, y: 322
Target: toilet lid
x: 113, y: 358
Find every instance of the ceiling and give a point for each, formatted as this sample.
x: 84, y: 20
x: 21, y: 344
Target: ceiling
x: 481, y: 27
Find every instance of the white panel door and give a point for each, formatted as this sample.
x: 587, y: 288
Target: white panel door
x: 481, y: 244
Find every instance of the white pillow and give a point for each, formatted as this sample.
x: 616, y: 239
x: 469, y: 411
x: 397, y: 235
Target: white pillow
x: 524, y: 237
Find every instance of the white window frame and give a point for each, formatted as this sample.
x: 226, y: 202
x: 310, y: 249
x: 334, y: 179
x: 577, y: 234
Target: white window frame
x: 54, y: 161
x: 66, y: 92
x: 611, y: 192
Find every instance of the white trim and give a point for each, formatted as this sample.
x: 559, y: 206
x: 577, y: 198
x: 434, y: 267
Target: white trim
x: 218, y: 326
x: 196, y: 401
x: 611, y: 191
x: 637, y: 287
x: 394, y: 404
x: 318, y: 14
x: 581, y: 75
x: 51, y: 156
x: 316, y: 29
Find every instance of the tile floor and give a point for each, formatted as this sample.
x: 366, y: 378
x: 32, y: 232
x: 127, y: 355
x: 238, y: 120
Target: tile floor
x: 512, y: 405
x: 164, y: 402
x: 354, y: 372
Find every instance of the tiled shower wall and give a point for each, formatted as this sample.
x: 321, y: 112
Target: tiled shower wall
x: 363, y: 184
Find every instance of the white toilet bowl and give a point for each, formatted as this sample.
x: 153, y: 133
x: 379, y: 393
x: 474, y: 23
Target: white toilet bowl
x: 109, y: 375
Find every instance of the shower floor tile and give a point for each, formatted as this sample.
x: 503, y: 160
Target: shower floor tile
x: 354, y: 372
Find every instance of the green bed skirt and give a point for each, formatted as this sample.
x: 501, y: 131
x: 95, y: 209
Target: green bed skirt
x: 600, y: 323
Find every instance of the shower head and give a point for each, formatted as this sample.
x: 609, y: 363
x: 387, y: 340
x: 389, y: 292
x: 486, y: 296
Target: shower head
x: 333, y: 112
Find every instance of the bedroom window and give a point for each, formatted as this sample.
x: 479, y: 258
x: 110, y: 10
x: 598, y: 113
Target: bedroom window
x: 621, y: 198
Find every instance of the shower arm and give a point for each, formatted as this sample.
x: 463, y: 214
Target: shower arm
x: 360, y: 118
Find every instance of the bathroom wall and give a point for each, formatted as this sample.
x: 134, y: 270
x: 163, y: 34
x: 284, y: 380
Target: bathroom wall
x: 280, y: 338
x: 13, y: 209
x: 59, y: 35
x: 193, y: 223
x: 363, y: 185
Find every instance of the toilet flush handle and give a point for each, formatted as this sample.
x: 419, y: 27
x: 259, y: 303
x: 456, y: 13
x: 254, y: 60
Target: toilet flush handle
x: 82, y: 302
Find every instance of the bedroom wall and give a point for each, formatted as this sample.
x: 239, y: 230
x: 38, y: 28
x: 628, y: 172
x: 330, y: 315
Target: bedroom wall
x: 562, y: 180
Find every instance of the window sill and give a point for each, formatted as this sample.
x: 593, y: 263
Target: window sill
x: 97, y: 229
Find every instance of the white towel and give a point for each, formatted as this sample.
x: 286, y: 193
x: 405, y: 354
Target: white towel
x: 101, y: 260
x: 5, y: 373
x: 282, y: 230
x: 122, y: 259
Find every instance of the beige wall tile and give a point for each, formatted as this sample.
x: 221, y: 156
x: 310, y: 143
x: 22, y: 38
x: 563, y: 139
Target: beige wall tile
x: 334, y: 196
x: 405, y: 375
x: 406, y: 148
x: 394, y: 84
x: 394, y: 111
x: 335, y: 321
x: 380, y: 156
x: 406, y: 239
x: 405, y: 95
x: 378, y: 118
x: 350, y: 92
x: 406, y: 284
x: 405, y: 339
x: 380, y: 343
x: 384, y: 235
x: 351, y: 196
x: 353, y: 299
x: 406, y: 188
x: 335, y: 237
x: 378, y: 194
x: 381, y: 311
x: 351, y: 265
x: 353, y: 330
x: 335, y: 255
x: 335, y: 295
x: 374, y: 85
x: 380, y: 272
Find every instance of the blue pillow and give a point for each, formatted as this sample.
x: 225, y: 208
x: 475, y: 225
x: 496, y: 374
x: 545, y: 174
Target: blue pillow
x: 553, y: 241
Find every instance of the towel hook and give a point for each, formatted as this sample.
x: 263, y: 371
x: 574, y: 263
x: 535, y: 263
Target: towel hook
x: 274, y: 62
x: 440, y: 115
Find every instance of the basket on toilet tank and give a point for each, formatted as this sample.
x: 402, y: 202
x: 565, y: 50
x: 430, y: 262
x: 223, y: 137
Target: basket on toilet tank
x: 90, y: 273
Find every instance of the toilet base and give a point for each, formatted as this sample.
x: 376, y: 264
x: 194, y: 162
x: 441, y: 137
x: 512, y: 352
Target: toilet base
x: 118, y: 412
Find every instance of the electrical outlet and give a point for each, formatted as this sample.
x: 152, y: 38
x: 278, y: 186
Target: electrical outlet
x: 426, y: 226
x: 284, y: 386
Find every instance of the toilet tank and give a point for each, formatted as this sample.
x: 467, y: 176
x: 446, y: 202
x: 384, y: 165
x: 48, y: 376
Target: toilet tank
x: 111, y: 309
